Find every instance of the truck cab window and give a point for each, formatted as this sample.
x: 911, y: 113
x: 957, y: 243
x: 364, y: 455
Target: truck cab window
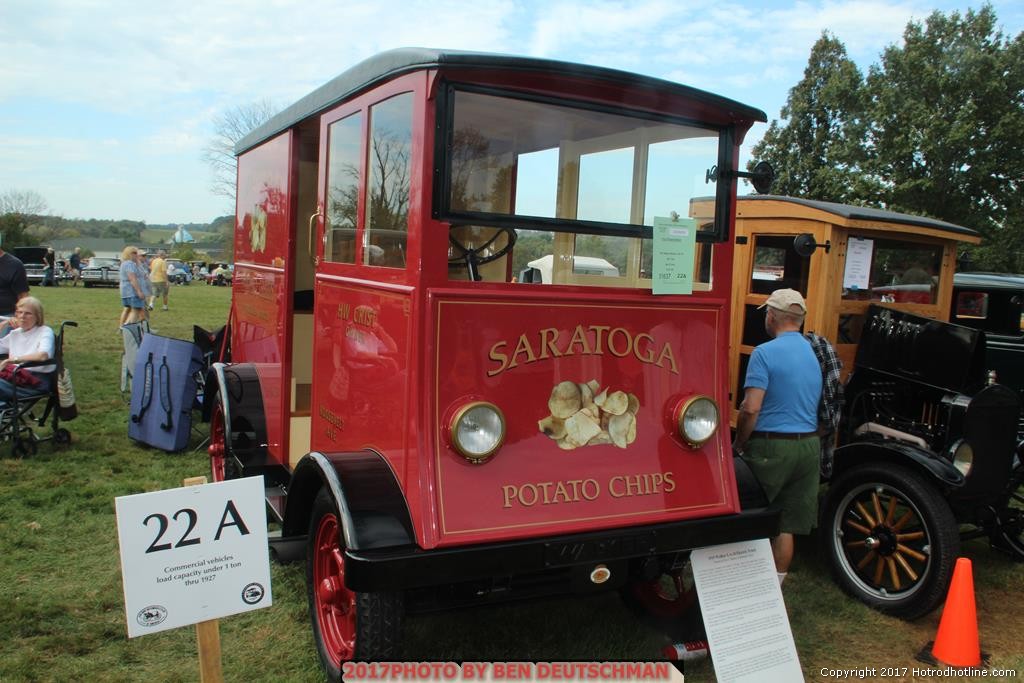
x: 343, y: 189
x: 387, y: 189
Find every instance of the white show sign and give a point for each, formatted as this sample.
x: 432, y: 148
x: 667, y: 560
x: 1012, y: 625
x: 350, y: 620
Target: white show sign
x: 857, y: 274
x: 193, y: 554
x: 747, y: 625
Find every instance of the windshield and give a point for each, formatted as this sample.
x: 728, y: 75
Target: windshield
x: 102, y: 262
x: 537, y: 159
x: 579, y: 187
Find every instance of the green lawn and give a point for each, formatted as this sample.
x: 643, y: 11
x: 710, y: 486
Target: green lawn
x: 63, y: 616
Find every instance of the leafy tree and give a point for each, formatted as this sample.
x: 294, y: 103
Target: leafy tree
x: 186, y: 252
x: 818, y: 151
x: 947, y: 132
x: 228, y: 128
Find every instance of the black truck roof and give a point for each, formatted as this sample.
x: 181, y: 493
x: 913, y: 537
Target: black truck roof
x: 387, y: 65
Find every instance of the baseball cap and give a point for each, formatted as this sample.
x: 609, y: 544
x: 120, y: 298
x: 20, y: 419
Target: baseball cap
x: 784, y: 300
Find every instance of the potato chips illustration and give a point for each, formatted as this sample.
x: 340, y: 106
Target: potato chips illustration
x: 583, y: 416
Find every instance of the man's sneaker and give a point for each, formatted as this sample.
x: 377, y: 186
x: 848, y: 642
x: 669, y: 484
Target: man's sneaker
x: 165, y: 308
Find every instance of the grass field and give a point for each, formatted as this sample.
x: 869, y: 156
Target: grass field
x: 63, y: 616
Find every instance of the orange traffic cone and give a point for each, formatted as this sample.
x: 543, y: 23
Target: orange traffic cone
x: 956, y: 643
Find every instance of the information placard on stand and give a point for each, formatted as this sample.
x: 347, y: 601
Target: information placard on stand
x: 193, y: 554
x: 747, y: 625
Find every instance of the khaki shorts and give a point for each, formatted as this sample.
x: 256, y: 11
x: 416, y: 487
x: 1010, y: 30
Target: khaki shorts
x: 788, y: 472
x: 159, y: 288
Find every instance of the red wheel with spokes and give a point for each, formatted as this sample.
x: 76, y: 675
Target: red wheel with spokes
x: 667, y: 597
x: 218, y: 448
x: 346, y: 624
x: 667, y: 602
x: 335, y: 605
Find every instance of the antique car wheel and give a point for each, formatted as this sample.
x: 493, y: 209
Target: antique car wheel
x: 23, y: 447
x: 667, y: 602
x: 222, y: 467
x: 1008, y: 530
x: 891, y: 539
x: 346, y: 625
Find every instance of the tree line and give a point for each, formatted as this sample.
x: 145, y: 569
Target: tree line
x: 24, y: 221
x: 935, y: 128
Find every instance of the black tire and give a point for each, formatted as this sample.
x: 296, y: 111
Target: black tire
x: 23, y: 447
x: 61, y: 436
x: 1007, y: 532
x: 891, y: 539
x: 346, y: 625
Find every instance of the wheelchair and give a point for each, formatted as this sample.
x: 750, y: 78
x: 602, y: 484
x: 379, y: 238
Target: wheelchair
x: 25, y: 413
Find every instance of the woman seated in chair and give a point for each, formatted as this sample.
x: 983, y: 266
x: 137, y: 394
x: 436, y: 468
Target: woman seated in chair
x: 29, y: 340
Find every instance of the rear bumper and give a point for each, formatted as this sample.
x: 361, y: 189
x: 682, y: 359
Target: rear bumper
x: 412, y: 567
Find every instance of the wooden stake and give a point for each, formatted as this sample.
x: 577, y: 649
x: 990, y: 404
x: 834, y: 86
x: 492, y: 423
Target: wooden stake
x: 207, y: 632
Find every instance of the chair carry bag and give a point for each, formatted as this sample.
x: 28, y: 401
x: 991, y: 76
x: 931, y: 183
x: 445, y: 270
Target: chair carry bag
x: 163, y: 391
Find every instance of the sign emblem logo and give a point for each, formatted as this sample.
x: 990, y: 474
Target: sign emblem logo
x: 252, y: 593
x: 152, y: 615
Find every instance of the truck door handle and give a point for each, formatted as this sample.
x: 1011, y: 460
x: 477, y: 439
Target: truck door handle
x: 309, y: 243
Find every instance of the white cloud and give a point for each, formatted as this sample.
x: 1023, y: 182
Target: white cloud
x: 123, y: 93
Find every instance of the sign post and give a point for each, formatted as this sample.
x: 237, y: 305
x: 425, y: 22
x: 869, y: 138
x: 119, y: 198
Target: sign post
x: 207, y: 632
x: 192, y: 555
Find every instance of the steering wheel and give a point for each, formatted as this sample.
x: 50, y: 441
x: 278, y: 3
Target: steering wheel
x: 474, y: 257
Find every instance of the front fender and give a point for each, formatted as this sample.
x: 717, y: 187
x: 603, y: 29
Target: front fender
x: 372, y: 509
x: 897, y: 452
x: 236, y: 389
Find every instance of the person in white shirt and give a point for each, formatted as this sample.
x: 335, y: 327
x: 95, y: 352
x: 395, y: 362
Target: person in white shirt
x: 30, y: 340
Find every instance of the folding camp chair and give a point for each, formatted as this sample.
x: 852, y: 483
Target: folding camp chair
x: 133, y: 334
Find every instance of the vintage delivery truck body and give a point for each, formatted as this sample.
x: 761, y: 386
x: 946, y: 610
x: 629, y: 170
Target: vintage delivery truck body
x: 435, y: 431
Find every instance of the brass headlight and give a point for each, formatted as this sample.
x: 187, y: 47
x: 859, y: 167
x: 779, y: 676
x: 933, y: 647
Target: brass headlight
x: 697, y: 420
x: 477, y: 430
x: 963, y: 456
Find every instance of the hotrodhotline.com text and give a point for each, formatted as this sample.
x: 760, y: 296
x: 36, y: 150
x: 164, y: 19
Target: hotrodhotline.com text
x: 915, y: 671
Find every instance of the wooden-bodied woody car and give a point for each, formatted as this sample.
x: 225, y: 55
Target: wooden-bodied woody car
x: 434, y: 431
x: 927, y: 442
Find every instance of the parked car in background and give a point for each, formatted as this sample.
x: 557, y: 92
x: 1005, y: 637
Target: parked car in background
x: 101, y: 272
x: 178, y: 272
x: 926, y: 454
x: 221, y: 275
x: 35, y: 265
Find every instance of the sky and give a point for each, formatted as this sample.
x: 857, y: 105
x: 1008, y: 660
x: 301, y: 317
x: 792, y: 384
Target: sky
x: 106, y: 106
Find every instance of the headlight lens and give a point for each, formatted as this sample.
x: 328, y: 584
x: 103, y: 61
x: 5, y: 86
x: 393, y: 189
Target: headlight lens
x: 478, y: 430
x: 963, y: 457
x: 697, y: 420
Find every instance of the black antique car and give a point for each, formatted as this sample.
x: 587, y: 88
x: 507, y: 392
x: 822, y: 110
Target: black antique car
x: 102, y: 272
x: 994, y: 303
x: 927, y: 446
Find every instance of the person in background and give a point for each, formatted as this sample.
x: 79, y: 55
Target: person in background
x: 147, y: 287
x: 50, y: 273
x: 75, y: 266
x: 132, y: 297
x: 13, y: 283
x: 777, y: 427
x: 30, y: 340
x: 221, y: 275
x: 158, y: 278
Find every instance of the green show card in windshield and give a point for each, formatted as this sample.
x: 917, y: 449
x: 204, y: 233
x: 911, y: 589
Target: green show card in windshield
x: 675, y: 240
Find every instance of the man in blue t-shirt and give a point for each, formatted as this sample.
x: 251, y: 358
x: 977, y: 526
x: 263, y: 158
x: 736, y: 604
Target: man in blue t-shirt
x: 776, y: 431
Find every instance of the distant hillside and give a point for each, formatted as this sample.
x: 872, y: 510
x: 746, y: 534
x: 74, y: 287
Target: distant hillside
x: 52, y: 227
